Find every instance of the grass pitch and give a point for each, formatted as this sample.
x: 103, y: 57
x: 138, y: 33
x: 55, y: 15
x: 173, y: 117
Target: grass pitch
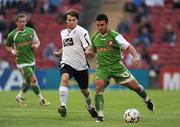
x: 116, y: 102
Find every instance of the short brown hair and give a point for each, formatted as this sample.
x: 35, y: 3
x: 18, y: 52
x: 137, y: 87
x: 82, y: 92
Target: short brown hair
x: 20, y: 16
x: 71, y: 12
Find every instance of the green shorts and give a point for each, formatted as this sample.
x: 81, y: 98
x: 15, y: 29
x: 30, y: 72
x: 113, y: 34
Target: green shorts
x: 117, y: 71
x: 27, y: 71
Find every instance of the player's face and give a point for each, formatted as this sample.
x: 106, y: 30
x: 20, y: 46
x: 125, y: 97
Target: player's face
x: 102, y: 26
x: 71, y: 21
x: 21, y: 23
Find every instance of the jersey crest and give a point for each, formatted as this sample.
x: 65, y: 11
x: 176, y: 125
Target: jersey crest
x: 110, y: 43
x: 30, y: 36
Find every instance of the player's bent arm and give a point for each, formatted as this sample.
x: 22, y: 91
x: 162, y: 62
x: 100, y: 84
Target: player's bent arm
x: 58, y: 53
x: 13, y: 51
x: 36, y: 42
x: 135, y: 55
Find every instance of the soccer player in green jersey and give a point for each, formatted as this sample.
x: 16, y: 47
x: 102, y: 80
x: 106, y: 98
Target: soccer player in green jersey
x: 21, y: 42
x: 107, y: 44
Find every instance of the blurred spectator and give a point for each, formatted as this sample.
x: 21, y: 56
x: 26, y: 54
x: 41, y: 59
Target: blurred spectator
x: 50, y: 6
x: 123, y: 26
x: 155, y: 2
x: 71, y: 2
x: 3, y: 28
x: 155, y: 66
x: 176, y: 4
x: 3, y: 64
x: 141, y: 12
x: 137, y: 2
x: 169, y: 36
x: 144, y: 37
x: 130, y: 7
x: 25, y: 6
x: 145, y: 23
x: 48, y: 52
x: 178, y: 22
x: 10, y: 3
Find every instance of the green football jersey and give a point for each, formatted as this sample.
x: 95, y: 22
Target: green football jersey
x: 106, y: 47
x: 22, y: 41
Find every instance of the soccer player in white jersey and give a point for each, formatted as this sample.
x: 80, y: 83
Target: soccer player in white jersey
x: 75, y: 41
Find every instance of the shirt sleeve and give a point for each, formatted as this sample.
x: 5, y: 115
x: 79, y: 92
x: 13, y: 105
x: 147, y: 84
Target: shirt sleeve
x: 35, y: 39
x: 85, y: 39
x: 122, y: 42
x: 9, y: 40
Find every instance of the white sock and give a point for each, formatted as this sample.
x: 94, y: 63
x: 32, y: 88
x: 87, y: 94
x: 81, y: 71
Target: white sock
x: 21, y: 94
x: 63, y: 93
x: 100, y: 113
x: 40, y: 96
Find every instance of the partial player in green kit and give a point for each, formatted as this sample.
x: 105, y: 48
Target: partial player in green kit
x: 21, y: 42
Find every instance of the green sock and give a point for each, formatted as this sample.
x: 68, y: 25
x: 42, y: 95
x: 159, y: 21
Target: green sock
x: 99, y: 102
x: 142, y: 94
x: 36, y: 89
x: 24, y: 87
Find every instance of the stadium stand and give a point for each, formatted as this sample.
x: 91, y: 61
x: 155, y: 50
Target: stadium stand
x: 48, y: 29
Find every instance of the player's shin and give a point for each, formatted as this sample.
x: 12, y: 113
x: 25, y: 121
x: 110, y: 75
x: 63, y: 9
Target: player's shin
x: 87, y: 97
x: 23, y: 90
x: 63, y: 93
x: 142, y: 93
x: 99, y: 103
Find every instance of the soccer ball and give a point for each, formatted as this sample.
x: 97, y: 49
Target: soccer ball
x: 131, y: 115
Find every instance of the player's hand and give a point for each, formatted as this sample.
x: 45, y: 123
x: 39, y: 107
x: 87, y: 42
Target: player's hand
x: 15, y: 52
x: 89, y: 53
x: 57, y: 54
x: 137, y: 62
x: 35, y: 46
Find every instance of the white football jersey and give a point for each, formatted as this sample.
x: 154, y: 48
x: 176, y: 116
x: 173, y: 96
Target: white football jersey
x: 74, y: 43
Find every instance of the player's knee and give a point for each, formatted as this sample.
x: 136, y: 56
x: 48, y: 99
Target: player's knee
x: 33, y: 82
x: 85, y: 92
x: 99, y: 88
x: 65, y: 79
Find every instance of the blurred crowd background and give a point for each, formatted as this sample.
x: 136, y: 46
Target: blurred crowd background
x: 152, y: 26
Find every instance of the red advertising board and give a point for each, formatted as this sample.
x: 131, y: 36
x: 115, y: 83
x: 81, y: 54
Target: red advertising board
x: 170, y: 78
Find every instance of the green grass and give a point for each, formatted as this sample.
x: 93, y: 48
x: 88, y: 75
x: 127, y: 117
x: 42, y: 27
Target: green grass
x: 116, y: 102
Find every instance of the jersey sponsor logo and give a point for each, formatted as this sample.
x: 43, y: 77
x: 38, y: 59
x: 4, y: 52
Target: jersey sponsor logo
x: 68, y: 42
x: 102, y: 39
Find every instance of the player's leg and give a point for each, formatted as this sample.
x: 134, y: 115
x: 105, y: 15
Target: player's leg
x: 82, y: 78
x: 30, y: 75
x: 99, y: 99
x: 66, y: 73
x: 124, y: 77
x: 24, y: 88
x: 134, y: 85
x: 101, y: 81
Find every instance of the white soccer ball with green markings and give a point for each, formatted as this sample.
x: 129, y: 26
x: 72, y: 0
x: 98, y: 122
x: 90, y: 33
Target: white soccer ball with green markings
x: 131, y: 115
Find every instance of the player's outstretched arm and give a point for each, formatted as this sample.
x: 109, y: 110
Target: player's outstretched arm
x: 135, y: 55
x: 58, y: 53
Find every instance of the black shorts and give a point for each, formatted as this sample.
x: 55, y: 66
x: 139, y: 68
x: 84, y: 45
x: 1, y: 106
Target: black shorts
x: 81, y: 77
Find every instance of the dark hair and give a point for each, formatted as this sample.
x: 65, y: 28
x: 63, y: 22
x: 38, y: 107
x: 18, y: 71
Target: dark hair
x: 101, y: 17
x: 71, y: 12
x: 20, y: 16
